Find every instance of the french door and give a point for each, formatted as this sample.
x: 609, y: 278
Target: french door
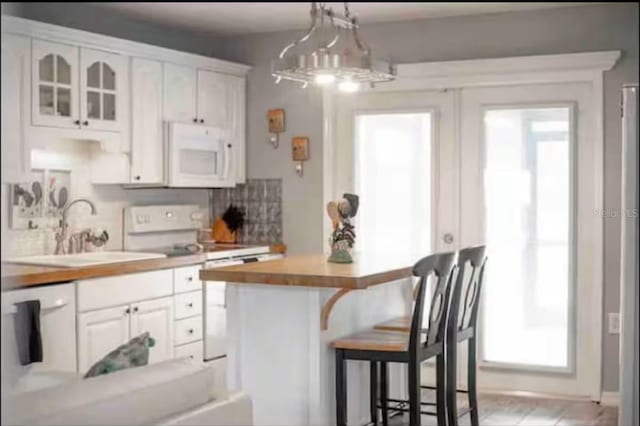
x: 510, y: 167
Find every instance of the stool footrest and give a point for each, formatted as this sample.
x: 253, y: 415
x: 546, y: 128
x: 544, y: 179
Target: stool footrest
x: 434, y: 388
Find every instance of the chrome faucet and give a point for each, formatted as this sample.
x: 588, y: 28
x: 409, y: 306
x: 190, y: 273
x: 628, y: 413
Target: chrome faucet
x: 61, y: 235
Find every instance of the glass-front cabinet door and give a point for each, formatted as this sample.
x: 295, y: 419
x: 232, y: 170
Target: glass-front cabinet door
x: 103, y: 81
x: 54, y: 84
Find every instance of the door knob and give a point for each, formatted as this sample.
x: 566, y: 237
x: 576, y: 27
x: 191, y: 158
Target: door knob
x: 448, y: 238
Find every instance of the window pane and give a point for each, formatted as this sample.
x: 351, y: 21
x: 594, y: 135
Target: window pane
x: 64, y: 70
x: 109, y: 106
x: 46, y: 100
x: 64, y: 102
x: 393, y: 179
x: 527, y: 208
x: 93, y: 75
x: 46, y: 68
x: 93, y: 105
x: 108, y: 77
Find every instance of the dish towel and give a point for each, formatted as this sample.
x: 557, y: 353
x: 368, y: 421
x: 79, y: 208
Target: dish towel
x: 27, y: 328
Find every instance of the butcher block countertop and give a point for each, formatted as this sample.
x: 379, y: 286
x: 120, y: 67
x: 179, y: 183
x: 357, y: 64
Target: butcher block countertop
x: 19, y: 276
x: 314, y: 271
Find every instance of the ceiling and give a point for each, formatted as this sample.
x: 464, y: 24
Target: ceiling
x: 244, y: 18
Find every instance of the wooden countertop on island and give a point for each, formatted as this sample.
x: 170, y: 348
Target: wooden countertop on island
x: 314, y: 271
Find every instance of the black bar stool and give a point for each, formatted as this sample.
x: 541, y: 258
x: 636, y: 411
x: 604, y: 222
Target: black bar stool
x: 379, y: 346
x: 461, y: 326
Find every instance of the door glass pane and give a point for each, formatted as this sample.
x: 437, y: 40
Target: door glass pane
x: 93, y: 75
x: 46, y: 100
x: 64, y: 102
x: 46, y: 68
x: 527, y: 208
x: 93, y: 105
x: 393, y: 180
x: 64, y: 70
x: 108, y: 77
x: 109, y: 106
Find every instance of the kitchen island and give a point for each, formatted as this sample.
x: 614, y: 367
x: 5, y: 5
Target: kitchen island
x: 281, y: 318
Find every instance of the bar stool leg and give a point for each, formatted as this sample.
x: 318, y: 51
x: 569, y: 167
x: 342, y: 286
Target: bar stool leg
x: 440, y: 391
x: 341, y: 389
x: 451, y: 384
x: 414, y: 393
x: 472, y: 383
x: 384, y: 393
x: 373, y: 392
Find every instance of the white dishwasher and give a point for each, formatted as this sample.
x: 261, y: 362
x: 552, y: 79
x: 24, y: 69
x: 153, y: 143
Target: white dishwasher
x: 215, y: 313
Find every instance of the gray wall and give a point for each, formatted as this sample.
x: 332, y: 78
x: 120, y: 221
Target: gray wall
x: 583, y: 29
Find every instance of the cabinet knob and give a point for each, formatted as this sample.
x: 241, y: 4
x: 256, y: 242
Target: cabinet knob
x: 189, y: 279
x: 136, y: 177
x: 202, y: 120
x: 195, y: 120
x: 77, y: 122
x: 228, y: 145
x: 85, y: 123
x: 190, y: 305
x: 135, y: 309
x: 127, y: 311
x: 190, y: 331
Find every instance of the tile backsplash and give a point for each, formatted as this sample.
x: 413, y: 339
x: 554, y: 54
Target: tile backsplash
x: 261, y: 201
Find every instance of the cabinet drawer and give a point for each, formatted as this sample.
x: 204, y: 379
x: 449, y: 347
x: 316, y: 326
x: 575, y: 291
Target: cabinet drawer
x: 188, y: 330
x: 187, y: 279
x: 187, y: 304
x: 192, y: 350
x: 123, y: 289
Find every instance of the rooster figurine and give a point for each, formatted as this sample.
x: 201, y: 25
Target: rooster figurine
x: 344, y: 235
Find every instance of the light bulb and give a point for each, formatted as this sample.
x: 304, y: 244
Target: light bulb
x: 348, y: 86
x: 325, y: 79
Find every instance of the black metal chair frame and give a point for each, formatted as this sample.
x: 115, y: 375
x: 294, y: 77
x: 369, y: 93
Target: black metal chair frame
x: 443, y: 268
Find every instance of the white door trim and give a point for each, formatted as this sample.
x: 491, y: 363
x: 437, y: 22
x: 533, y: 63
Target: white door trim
x: 537, y: 69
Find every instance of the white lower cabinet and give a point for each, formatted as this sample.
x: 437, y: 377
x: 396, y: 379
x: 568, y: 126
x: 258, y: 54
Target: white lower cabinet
x: 100, y: 332
x: 113, y: 310
x: 155, y: 317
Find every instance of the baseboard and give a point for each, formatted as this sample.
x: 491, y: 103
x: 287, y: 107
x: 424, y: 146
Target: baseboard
x: 610, y: 399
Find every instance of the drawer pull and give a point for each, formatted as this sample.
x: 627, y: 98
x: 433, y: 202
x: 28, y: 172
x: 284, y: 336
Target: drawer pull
x: 190, y: 279
x: 190, y: 305
x: 191, y: 331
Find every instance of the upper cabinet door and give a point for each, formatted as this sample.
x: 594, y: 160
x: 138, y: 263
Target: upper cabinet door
x: 54, y: 90
x: 104, y: 89
x: 146, y: 121
x: 213, y: 99
x: 156, y: 318
x: 179, y: 93
x: 237, y: 100
x: 16, y: 68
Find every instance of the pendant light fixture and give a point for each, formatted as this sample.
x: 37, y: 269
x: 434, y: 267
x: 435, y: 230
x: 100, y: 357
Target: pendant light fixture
x: 331, y: 52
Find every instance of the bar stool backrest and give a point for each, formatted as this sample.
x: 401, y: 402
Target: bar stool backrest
x: 442, y: 267
x: 465, y: 298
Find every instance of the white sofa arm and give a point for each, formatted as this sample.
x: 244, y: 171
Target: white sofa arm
x: 226, y: 410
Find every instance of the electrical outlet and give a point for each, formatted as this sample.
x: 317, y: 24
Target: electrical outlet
x: 614, y: 323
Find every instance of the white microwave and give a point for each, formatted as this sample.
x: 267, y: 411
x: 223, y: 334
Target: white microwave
x: 198, y: 156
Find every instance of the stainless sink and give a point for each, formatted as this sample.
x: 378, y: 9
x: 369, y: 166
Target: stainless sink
x: 85, y: 259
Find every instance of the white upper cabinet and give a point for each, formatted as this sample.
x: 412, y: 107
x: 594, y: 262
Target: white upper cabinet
x: 213, y: 99
x: 237, y: 104
x: 103, y: 90
x: 54, y: 89
x: 16, y: 66
x: 147, y: 155
x: 179, y: 93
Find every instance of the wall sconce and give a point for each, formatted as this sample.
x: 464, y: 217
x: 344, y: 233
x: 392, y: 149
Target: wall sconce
x: 300, y: 152
x: 276, y: 125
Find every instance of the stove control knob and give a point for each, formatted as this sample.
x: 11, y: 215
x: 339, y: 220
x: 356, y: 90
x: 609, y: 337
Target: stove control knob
x: 196, y: 216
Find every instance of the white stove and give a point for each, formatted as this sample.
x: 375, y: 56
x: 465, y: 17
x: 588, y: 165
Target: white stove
x: 172, y: 230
